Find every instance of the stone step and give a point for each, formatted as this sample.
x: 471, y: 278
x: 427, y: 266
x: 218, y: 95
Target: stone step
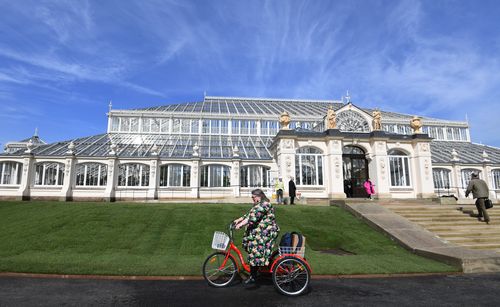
x: 469, y: 235
x: 434, y: 216
x: 451, y: 224
x: 482, y: 246
x: 472, y: 239
x: 486, y: 228
x: 462, y: 223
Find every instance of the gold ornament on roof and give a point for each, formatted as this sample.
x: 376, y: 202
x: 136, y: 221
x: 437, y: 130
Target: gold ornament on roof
x: 285, y: 121
x: 416, y: 124
x: 331, y: 118
x: 377, y: 118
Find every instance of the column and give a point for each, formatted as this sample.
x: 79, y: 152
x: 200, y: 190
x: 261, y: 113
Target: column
x: 67, y: 188
x: 195, y: 176
x: 488, y: 177
x: 334, y: 173
x: 422, y: 166
x: 27, y: 177
x: 286, y: 158
x: 153, y: 178
x: 378, y: 168
x: 112, y: 182
x: 235, y: 176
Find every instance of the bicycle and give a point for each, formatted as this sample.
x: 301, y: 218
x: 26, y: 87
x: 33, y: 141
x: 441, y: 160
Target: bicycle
x: 291, y: 273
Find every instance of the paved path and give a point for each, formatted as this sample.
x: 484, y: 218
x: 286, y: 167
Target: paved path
x: 452, y: 290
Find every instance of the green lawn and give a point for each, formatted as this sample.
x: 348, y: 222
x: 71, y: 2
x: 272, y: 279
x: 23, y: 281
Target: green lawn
x: 174, y: 239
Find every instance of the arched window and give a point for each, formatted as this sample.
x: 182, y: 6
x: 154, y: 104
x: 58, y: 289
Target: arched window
x: 399, y: 166
x: 254, y: 176
x: 133, y: 175
x: 91, y: 174
x: 352, y: 150
x: 441, y: 178
x: 466, y: 174
x: 175, y: 175
x: 215, y: 176
x: 309, y: 166
x: 49, y: 173
x: 496, y: 178
x: 352, y: 121
x: 10, y: 172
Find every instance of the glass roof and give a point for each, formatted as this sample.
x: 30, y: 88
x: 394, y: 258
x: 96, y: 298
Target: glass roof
x: 269, y: 107
x: 168, y: 146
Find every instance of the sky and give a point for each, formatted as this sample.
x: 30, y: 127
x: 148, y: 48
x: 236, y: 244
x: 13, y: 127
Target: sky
x: 62, y: 62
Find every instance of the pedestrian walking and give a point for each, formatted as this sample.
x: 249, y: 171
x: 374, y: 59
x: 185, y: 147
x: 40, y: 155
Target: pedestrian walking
x: 369, y: 188
x: 279, y: 186
x: 292, y: 190
x: 480, y: 192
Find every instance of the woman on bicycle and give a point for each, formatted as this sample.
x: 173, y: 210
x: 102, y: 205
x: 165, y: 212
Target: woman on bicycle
x: 261, y: 231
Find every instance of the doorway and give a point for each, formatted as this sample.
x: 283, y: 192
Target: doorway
x: 355, y: 168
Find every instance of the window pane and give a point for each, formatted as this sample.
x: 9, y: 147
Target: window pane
x: 10, y: 172
x: 176, y: 125
x: 80, y: 174
x: 496, y: 178
x: 115, y: 124
x: 195, y: 126
x: 441, y: 178
x: 125, y: 124
x: 175, y: 174
x: 466, y: 174
x: 134, y: 124
x: 186, y: 178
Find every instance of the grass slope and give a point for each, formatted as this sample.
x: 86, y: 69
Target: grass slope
x: 174, y: 239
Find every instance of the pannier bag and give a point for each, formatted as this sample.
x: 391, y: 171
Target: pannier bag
x: 293, y: 241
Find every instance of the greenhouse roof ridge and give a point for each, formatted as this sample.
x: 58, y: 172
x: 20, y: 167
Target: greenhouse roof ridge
x: 262, y: 99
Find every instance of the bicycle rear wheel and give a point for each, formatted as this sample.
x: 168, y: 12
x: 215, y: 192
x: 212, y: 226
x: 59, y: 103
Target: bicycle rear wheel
x: 291, y: 276
x: 217, y: 275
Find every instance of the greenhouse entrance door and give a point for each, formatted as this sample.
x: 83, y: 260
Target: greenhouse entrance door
x: 355, y: 167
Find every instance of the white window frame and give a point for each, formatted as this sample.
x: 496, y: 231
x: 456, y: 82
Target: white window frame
x: 102, y: 168
x: 398, y: 161
x: 210, y: 168
x: 165, y: 170
x: 318, y: 166
x: 144, y: 171
x: 465, y: 175
x: 495, y: 178
x: 59, y: 170
x: 17, y: 173
x: 440, y: 173
x: 263, y: 173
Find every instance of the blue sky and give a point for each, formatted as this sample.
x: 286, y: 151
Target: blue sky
x: 61, y: 62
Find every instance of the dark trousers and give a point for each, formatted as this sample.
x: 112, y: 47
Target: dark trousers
x: 481, y: 210
x: 279, y: 196
x: 291, y: 199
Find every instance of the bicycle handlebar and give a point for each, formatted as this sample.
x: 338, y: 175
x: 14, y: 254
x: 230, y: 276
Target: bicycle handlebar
x: 232, y: 226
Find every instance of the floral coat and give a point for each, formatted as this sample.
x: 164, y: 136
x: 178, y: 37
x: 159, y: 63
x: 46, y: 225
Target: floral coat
x: 261, y: 232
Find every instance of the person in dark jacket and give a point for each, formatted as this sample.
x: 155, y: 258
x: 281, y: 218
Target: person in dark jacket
x: 480, y: 192
x: 292, y: 190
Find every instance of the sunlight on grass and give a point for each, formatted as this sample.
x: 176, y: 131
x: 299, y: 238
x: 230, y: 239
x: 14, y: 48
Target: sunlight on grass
x: 174, y: 239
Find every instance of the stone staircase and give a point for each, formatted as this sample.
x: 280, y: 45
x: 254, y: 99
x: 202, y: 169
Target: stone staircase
x: 451, y: 225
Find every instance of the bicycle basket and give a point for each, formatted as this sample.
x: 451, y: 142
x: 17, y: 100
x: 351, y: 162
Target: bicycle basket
x: 220, y: 240
x: 299, y: 251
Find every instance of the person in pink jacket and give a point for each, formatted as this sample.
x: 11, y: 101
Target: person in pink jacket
x: 369, y: 188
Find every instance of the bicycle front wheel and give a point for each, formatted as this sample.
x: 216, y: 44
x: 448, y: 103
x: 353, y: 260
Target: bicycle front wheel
x: 291, y: 276
x: 215, y: 273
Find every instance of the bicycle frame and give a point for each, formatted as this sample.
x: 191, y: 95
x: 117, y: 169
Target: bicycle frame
x: 242, y: 263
